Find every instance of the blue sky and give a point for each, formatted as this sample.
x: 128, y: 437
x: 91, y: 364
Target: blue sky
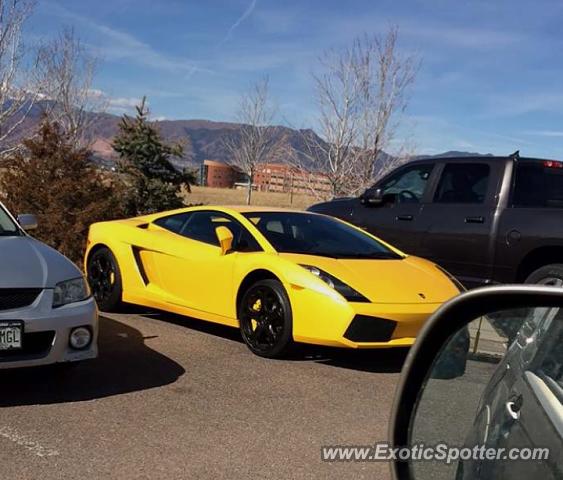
x: 491, y: 78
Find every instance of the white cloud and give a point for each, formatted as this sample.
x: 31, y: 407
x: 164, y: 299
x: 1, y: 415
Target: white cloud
x: 520, y: 103
x: 116, y: 45
x: 124, y: 102
x: 545, y: 133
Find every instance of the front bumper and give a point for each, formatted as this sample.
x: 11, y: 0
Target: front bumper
x: 47, y: 330
x: 322, y: 320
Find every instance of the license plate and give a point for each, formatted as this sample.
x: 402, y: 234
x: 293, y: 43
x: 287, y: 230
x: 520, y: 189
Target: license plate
x: 10, y: 335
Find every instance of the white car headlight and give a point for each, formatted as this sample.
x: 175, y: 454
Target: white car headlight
x: 70, y: 291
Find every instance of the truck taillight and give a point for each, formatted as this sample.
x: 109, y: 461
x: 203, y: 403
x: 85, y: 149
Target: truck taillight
x: 552, y: 164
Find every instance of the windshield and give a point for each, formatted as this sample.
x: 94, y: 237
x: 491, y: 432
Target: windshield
x: 7, y: 226
x: 293, y: 232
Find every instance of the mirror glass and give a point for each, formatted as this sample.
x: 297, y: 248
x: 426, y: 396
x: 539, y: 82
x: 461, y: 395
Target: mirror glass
x: 495, y: 391
x: 27, y: 221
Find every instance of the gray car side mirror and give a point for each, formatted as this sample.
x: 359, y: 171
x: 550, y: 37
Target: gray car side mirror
x: 473, y: 390
x: 27, y: 221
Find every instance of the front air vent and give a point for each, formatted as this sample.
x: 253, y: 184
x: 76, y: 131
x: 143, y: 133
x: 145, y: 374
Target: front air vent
x: 364, y: 328
x: 13, y: 298
x: 34, y: 345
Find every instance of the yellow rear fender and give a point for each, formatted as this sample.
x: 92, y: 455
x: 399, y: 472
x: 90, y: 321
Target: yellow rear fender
x: 120, y: 239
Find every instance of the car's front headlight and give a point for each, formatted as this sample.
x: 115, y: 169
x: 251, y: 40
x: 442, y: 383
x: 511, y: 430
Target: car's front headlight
x: 70, y: 291
x: 343, y: 289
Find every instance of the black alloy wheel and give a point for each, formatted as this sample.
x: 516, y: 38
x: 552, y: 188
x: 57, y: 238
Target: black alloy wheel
x: 265, y: 319
x: 104, y: 279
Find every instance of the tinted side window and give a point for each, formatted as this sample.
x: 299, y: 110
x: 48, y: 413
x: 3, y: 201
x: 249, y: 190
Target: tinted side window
x: 173, y: 223
x: 202, y: 225
x: 408, y: 185
x: 463, y: 183
x: 538, y: 185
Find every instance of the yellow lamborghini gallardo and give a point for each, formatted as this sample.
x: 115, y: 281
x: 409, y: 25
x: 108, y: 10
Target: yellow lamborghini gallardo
x: 278, y: 275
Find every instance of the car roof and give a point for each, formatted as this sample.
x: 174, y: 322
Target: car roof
x: 471, y: 158
x: 255, y: 209
x: 220, y: 208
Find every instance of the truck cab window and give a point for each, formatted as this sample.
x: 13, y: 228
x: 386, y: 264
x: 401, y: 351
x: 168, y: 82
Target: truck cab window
x: 408, y: 185
x: 463, y: 183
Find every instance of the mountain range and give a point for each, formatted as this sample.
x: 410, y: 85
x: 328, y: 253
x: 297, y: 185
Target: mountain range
x: 202, y: 139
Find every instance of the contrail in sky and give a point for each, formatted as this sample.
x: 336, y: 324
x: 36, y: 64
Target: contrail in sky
x: 241, y: 19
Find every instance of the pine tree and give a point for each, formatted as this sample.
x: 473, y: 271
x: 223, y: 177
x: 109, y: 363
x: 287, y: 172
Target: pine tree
x: 55, y: 180
x: 145, y: 160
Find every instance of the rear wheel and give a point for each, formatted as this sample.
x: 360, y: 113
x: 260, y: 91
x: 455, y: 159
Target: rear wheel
x: 104, y: 278
x: 265, y: 318
x: 547, y: 275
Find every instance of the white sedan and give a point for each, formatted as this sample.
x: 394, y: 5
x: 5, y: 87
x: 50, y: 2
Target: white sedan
x: 47, y: 314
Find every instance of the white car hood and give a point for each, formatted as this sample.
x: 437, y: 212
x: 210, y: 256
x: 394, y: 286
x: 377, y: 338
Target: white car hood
x: 28, y: 263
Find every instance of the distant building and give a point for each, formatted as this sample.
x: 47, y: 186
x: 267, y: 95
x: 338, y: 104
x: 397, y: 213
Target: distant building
x: 219, y: 175
x: 279, y: 177
x: 269, y: 177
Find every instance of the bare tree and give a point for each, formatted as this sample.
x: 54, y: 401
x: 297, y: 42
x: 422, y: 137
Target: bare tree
x: 332, y: 151
x: 68, y: 70
x: 253, y: 144
x: 17, y: 92
x: 383, y: 79
x: 360, y: 93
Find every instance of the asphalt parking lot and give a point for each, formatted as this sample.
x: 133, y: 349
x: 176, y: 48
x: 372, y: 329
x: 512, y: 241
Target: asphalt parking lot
x: 177, y: 398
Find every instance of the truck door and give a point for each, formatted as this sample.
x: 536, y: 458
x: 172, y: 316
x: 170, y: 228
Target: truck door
x: 397, y: 219
x: 460, y: 219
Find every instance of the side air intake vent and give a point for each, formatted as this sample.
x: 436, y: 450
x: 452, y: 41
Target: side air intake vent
x: 140, y: 266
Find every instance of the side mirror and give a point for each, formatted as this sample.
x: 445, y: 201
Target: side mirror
x: 225, y: 237
x: 27, y: 222
x: 470, y: 391
x: 372, y: 197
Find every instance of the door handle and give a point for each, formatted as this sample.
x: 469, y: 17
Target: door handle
x: 513, y: 407
x: 407, y: 218
x: 474, y: 219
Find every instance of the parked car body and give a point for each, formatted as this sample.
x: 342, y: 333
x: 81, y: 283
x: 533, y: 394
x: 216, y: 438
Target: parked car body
x: 278, y: 275
x: 485, y: 219
x: 47, y: 314
x: 527, y: 385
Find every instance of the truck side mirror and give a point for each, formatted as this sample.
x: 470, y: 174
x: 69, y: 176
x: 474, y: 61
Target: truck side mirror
x: 372, y: 197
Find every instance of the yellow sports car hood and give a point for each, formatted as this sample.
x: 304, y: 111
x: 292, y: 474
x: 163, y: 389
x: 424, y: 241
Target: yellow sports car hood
x: 407, y: 280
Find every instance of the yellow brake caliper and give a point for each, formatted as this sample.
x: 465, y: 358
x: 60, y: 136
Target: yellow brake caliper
x: 256, y: 308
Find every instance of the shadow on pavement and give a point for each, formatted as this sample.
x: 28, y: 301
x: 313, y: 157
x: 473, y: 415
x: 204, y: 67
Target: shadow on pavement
x: 125, y: 364
x: 384, y: 360
x: 387, y: 360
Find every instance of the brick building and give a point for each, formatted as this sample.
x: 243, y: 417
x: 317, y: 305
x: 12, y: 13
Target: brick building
x: 269, y: 177
x: 279, y: 177
x: 218, y: 175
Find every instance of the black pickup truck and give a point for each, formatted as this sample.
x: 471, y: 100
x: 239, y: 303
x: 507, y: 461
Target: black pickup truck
x: 484, y: 219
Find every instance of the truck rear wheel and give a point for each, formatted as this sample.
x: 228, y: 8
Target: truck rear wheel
x: 547, y: 275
